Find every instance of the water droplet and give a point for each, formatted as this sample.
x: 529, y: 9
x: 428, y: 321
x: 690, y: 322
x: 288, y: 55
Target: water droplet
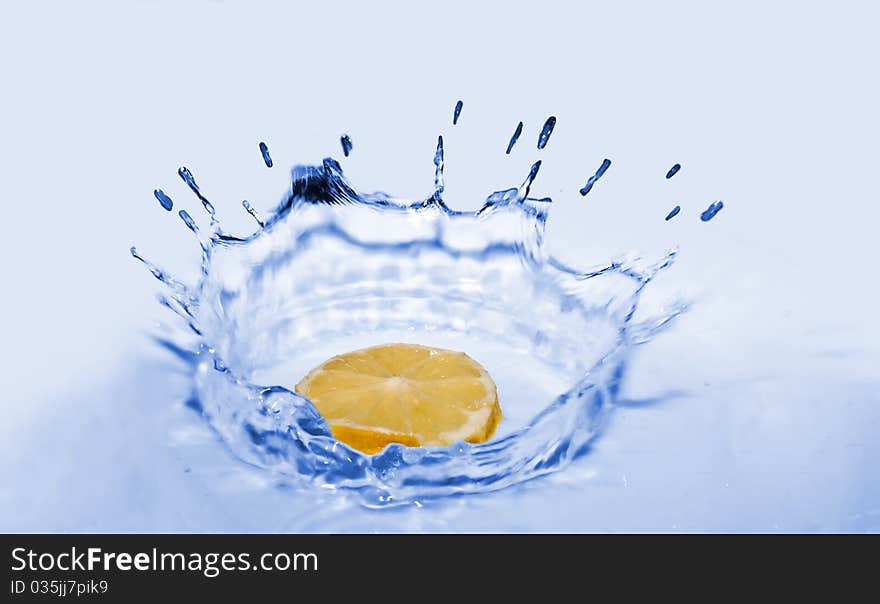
x: 514, y: 138
x: 546, y: 131
x: 673, y: 213
x: 457, y: 112
x: 188, y: 221
x: 345, y: 141
x: 673, y: 170
x: 606, y: 163
x: 163, y: 199
x: 188, y: 178
x: 709, y: 213
x: 264, y: 151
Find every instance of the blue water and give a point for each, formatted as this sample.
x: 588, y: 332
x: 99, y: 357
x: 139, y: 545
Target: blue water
x: 546, y: 131
x: 331, y: 269
x: 514, y: 137
x: 163, y: 199
x: 758, y: 410
x: 606, y: 163
x: 190, y: 181
x: 457, y: 112
x: 710, y: 212
x: 345, y: 141
x: 264, y: 151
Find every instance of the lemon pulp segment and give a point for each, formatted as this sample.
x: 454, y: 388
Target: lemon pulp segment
x: 404, y: 393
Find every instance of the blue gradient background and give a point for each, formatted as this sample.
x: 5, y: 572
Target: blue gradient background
x: 769, y: 389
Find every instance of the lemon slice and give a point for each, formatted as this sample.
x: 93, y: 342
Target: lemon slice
x: 404, y: 393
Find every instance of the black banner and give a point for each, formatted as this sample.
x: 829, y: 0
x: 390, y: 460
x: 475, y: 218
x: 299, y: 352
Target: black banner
x: 128, y: 568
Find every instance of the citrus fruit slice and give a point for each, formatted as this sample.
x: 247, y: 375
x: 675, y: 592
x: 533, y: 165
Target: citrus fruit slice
x: 404, y: 393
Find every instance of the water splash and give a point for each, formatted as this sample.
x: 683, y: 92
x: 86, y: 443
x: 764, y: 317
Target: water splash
x: 546, y: 131
x: 250, y: 210
x: 673, y: 171
x: 606, y: 163
x: 345, y: 141
x: 188, y: 221
x: 190, y: 181
x: 710, y: 212
x: 673, y: 213
x: 164, y: 200
x: 330, y: 266
x: 264, y: 151
x: 514, y: 138
x: 438, y: 170
x: 523, y: 192
x: 457, y: 112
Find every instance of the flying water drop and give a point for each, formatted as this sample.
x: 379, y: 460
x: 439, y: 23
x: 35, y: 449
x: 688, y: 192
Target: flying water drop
x: 264, y: 151
x: 514, y: 138
x: 673, y: 213
x: 606, y: 163
x: 546, y: 131
x: 345, y: 141
x: 163, y: 199
x: 188, y: 221
x: 673, y: 170
x: 457, y: 112
x: 709, y: 213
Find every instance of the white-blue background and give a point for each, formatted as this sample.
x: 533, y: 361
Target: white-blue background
x: 770, y: 106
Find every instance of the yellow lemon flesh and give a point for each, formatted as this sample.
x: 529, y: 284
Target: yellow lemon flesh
x: 404, y: 393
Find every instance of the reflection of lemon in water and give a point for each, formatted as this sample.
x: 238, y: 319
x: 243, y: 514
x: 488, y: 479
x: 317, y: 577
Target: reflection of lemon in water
x: 404, y: 393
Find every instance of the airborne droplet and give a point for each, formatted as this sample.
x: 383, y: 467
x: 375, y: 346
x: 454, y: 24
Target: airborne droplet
x: 163, y: 199
x: 709, y: 213
x: 514, y: 138
x: 606, y: 163
x: 546, y: 131
x: 264, y: 151
x: 188, y: 221
x: 345, y: 141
